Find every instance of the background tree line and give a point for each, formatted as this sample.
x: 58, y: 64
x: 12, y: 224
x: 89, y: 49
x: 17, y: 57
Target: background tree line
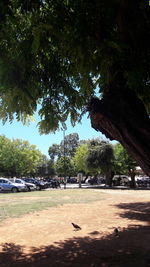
x: 92, y: 158
x: 19, y: 158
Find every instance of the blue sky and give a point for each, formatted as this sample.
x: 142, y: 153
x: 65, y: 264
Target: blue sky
x: 30, y: 133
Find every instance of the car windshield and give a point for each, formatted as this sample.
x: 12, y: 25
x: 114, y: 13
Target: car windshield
x: 18, y: 181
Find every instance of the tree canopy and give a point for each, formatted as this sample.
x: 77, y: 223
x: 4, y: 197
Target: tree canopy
x: 79, y: 158
x: 65, y: 167
x: 58, y: 52
x: 18, y: 157
x: 67, y: 147
x: 124, y: 163
x: 100, y: 158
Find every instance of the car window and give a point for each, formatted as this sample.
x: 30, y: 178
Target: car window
x: 5, y: 181
x: 18, y: 181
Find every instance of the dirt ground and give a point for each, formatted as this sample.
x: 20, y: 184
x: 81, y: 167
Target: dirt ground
x: 47, y: 238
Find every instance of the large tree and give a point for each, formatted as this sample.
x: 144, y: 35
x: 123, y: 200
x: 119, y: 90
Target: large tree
x: 67, y: 147
x: 18, y: 157
x: 79, y: 160
x: 124, y: 163
x: 46, y: 167
x: 65, y: 167
x: 54, y: 151
x: 100, y: 157
x: 57, y: 52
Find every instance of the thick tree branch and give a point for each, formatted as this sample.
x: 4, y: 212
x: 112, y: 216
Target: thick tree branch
x: 124, y: 118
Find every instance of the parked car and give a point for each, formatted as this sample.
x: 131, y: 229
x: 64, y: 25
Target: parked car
x: 39, y: 184
x: 30, y: 186
x: 55, y: 183
x: 143, y: 181
x: 122, y: 180
x: 8, y: 186
x: 48, y: 182
x: 71, y: 180
x: 52, y: 183
x: 93, y: 180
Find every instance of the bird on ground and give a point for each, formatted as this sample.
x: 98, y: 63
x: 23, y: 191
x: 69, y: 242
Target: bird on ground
x: 116, y: 232
x: 77, y: 227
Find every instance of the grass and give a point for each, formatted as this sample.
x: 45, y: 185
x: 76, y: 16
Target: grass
x: 16, y: 205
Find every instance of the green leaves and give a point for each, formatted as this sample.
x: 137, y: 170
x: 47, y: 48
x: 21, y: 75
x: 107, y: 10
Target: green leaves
x: 100, y: 156
x: 53, y: 52
x: 123, y: 163
x: 65, y: 167
x: 18, y: 157
x: 80, y: 158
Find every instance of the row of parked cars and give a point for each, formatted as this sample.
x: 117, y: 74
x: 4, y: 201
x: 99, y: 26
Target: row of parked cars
x: 26, y: 184
x: 143, y: 181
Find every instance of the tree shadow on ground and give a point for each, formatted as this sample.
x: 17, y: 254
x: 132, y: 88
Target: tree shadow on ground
x: 136, y: 211
x: 131, y: 248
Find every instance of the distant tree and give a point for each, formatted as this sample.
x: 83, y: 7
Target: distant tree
x: 100, y: 158
x: 46, y: 167
x: 65, y: 167
x: 27, y: 156
x: 54, y: 151
x: 4, y: 143
x: 119, y: 167
x: 18, y: 157
x: 69, y: 144
x: 51, y: 171
x: 80, y: 159
x: 66, y: 147
x: 124, y: 163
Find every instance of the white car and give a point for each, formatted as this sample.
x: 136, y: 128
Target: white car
x: 30, y: 186
x: 9, y: 186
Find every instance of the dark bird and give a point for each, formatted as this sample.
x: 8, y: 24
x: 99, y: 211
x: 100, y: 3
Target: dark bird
x: 77, y: 227
x: 116, y: 232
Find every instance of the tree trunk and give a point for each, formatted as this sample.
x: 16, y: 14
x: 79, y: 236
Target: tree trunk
x: 122, y: 116
x: 132, y: 175
x: 108, y: 178
x: 132, y: 183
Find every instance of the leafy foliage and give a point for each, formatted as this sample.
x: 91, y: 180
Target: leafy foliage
x: 69, y: 144
x: 45, y: 167
x: 54, y: 151
x: 80, y: 158
x: 18, y: 157
x: 57, y: 52
x: 67, y: 147
x: 100, y: 155
x: 65, y: 167
x: 124, y: 163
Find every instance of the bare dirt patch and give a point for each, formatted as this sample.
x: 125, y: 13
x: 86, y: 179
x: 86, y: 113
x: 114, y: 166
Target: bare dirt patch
x: 47, y: 238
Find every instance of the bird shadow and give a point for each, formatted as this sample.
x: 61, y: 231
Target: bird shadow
x: 94, y: 233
